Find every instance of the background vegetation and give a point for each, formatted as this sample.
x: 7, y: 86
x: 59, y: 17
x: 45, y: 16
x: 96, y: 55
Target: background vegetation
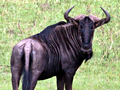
x: 22, y: 18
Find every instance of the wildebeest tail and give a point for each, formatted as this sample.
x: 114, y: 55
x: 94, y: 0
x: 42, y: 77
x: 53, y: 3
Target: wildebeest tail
x: 27, y: 72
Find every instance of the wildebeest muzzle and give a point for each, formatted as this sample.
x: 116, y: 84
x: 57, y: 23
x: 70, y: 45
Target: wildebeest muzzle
x: 86, y: 48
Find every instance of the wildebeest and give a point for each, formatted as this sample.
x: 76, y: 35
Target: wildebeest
x: 56, y: 51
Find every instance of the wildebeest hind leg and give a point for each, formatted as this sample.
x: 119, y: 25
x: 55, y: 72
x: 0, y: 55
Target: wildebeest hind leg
x: 37, y: 66
x: 34, y: 78
x: 16, y: 74
x: 16, y: 67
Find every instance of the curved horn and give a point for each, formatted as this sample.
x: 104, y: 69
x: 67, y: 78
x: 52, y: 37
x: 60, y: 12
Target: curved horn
x: 107, y: 19
x: 67, y: 12
x: 102, y: 21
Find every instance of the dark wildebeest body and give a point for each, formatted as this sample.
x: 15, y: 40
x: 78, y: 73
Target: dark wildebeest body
x: 57, y: 51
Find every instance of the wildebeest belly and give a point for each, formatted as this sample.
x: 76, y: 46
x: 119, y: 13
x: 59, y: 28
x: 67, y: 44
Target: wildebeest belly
x: 49, y: 72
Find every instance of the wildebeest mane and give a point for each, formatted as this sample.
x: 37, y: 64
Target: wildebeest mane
x: 46, y: 32
x: 62, y: 39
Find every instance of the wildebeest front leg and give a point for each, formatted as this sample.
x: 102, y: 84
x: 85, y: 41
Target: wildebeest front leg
x: 16, y: 66
x: 60, y: 82
x: 68, y: 80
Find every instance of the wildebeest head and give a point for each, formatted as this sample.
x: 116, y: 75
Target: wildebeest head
x: 86, y: 26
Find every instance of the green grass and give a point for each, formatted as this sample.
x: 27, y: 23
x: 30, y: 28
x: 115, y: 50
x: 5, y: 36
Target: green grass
x: 22, y: 18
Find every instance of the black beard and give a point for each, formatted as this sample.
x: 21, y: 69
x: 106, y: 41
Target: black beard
x: 88, y: 56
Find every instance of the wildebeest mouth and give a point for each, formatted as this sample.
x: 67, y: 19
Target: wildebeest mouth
x: 86, y: 51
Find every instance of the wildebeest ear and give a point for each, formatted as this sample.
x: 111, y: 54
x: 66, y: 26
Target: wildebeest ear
x: 75, y: 22
x: 98, y: 22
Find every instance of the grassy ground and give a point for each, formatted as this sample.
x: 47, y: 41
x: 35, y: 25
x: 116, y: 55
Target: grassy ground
x: 22, y: 18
